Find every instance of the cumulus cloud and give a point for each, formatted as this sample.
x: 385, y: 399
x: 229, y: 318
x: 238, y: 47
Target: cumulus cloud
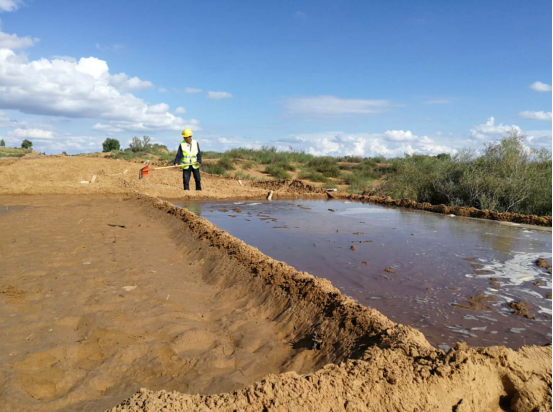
x: 490, y: 130
x: 122, y: 82
x: 13, y: 41
x: 192, y: 90
x: 180, y: 110
x: 536, y: 115
x: 162, y: 90
x: 218, y: 95
x: 364, y: 144
x: 83, y: 89
x: 332, y: 105
x: 9, y: 5
x: 32, y: 134
x: 540, y: 87
x: 399, y: 136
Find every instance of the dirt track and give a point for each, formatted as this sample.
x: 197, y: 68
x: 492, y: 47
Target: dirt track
x: 209, y: 314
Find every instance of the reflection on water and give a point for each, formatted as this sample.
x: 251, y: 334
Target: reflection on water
x: 410, y: 265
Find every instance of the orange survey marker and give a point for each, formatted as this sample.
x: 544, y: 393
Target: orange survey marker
x: 146, y: 169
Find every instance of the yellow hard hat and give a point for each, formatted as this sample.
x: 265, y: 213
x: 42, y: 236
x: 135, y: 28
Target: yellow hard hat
x: 186, y: 133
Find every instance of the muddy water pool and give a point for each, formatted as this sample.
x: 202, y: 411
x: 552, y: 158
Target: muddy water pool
x: 412, y: 266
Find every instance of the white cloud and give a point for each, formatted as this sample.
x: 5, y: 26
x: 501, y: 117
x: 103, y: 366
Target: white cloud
x: 123, y: 83
x: 12, y: 41
x: 65, y: 58
x: 363, y: 144
x: 438, y: 101
x: 180, y: 110
x: 540, y: 87
x: 399, y: 136
x: 9, y: 5
x: 536, y: 115
x: 331, y: 105
x: 218, y: 95
x: 158, y: 108
x: 83, y: 89
x: 162, y: 90
x: 491, y: 131
x: 192, y: 90
x: 32, y: 134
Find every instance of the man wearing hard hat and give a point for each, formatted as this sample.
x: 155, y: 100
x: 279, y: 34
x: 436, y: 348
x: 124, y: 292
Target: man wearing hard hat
x: 189, y: 158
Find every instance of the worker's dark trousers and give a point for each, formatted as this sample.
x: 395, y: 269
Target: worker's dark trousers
x: 186, y: 178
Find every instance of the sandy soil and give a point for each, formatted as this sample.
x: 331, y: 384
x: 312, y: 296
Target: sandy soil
x: 103, y: 295
x: 63, y: 174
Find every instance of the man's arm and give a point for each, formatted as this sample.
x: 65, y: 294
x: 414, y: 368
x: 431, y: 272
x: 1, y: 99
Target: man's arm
x: 178, y: 158
x: 199, y: 155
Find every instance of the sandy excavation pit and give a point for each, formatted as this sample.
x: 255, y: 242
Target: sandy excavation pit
x: 91, y: 312
x: 101, y: 295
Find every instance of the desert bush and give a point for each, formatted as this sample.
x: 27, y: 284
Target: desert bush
x: 226, y: 163
x: 248, y: 165
x: 277, y: 172
x: 313, y: 176
x: 214, y: 169
x: 325, y: 165
x: 508, y: 177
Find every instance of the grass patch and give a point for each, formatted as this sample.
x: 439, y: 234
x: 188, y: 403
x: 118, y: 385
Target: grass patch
x: 13, y: 152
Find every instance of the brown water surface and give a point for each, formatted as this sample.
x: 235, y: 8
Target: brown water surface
x: 412, y: 266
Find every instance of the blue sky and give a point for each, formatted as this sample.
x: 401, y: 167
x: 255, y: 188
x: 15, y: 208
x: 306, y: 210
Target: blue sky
x: 327, y: 77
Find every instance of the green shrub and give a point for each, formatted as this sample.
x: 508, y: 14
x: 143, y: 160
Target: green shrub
x: 244, y: 176
x: 277, y: 172
x: 247, y: 165
x: 313, y: 176
x: 325, y: 165
x: 214, y: 169
x: 226, y: 163
x: 507, y: 177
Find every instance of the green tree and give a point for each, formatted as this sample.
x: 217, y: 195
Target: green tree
x: 140, y: 145
x: 27, y: 144
x: 110, y: 144
x: 2, y: 143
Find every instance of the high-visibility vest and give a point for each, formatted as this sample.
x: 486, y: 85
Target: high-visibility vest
x: 189, y: 157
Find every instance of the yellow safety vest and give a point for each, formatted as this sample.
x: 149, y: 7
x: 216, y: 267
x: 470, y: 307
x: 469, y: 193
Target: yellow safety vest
x: 189, y: 157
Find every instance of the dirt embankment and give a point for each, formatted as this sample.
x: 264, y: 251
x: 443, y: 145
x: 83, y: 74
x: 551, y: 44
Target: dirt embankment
x: 447, y: 210
x: 385, y: 366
